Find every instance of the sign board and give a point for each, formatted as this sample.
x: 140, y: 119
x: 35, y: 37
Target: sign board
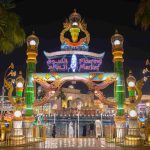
x: 74, y: 63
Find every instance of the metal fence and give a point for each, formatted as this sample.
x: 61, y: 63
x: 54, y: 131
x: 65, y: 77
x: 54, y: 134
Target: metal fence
x: 23, y: 136
x: 131, y: 137
x: 127, y: 137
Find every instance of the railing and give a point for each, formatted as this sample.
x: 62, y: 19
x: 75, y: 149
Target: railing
x: 127, y: 137
x: 131, y: 137
x: 23, y: 136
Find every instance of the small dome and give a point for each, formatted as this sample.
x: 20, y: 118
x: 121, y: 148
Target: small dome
x: 117, y: 36
x: 131, y: 78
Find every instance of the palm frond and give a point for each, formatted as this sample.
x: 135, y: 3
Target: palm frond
x: 11, y: 33
x: 6, y: 46
x: 142, y: 16
x: 8, y: 4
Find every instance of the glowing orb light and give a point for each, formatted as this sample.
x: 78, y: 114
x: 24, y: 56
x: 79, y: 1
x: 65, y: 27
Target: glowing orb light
x: 133, y: 113
x: 19, y: 84
x: 116, y: 42
x: 32, y: 42
x: 17, y: 113
x: 75, y: 24
x: 131, y: 84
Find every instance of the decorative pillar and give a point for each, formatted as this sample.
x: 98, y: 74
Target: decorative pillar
x: 17, y: 136
x: 120, y: 128
x: 119, y: 87
x: 32, y: 52
x: 133, y: 138
x: 119, y: 90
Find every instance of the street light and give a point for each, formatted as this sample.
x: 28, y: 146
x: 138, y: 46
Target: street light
x: 117, y: 43
x: 32, y: 41
x: 19, y: 87
x: 131, y: 81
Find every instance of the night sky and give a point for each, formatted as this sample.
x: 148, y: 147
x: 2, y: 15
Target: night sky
x: 102, y: 17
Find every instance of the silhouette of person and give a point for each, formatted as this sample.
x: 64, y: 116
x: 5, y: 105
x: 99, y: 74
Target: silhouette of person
x: 84, y: 130
x: 54, y: 131
x: 71, y: 132
x: 91, y: 128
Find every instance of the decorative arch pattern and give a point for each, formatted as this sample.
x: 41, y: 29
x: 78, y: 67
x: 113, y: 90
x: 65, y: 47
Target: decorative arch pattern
x: 56, y: 85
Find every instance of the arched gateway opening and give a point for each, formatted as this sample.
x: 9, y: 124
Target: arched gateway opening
x: 74, y: 100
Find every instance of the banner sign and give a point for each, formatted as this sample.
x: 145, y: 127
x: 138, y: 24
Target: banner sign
x: 74, y: 63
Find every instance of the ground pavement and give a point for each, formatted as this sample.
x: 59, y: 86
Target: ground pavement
x: 75, y: 144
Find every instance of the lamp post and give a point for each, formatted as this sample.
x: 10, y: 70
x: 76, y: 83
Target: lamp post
x: 17, y: 126
x: 9, y: 83
x: 119, y: 87
x: 19, y: 88
x: 131, y: 81
x: 133, y: 137
x: 119, y: 91
x: 32, y: 52
x: 17, y: 120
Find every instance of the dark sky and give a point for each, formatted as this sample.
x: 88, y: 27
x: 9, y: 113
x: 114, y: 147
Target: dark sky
x: 102, y: 17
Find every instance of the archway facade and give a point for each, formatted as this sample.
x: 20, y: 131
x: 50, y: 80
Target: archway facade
x: 74, y: 62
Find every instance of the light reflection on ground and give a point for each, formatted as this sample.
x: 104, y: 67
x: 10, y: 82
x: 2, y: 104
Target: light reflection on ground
x: 76, y: 144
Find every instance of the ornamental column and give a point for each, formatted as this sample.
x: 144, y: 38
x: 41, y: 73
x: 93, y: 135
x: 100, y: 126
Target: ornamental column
x: 32, y: 52
x: 119, y: 90
x: 119, y: 87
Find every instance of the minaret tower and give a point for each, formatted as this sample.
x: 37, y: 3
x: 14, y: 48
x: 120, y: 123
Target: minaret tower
x: 119, y: 90
x: 32, y: 52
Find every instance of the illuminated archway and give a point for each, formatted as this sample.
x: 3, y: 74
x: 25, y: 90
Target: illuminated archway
x: 57, y: 84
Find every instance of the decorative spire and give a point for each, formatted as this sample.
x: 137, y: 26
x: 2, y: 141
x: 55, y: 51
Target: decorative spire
x: 147, y: 62
x: 130, y: 72
x: 116, y: 31
x: 20, y: 72
x: 75, y: 17
x: 33, y: 32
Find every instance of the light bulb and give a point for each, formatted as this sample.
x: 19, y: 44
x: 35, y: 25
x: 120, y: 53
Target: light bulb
x: 19, y: 84
x: 133, y: 113
x: 17, y: 113
x: 32, y: 42
x: 75, y: 24
x: 116, y: 42
x: 131, y: 84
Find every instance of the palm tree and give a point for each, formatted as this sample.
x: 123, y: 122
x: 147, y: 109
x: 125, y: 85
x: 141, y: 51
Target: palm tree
x: 12, y: 34
x: 142, y: 15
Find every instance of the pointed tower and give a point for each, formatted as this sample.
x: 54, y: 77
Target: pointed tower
x: 117, y: 51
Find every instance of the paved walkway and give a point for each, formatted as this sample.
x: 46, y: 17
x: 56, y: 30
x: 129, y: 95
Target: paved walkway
x: 75, y: 144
